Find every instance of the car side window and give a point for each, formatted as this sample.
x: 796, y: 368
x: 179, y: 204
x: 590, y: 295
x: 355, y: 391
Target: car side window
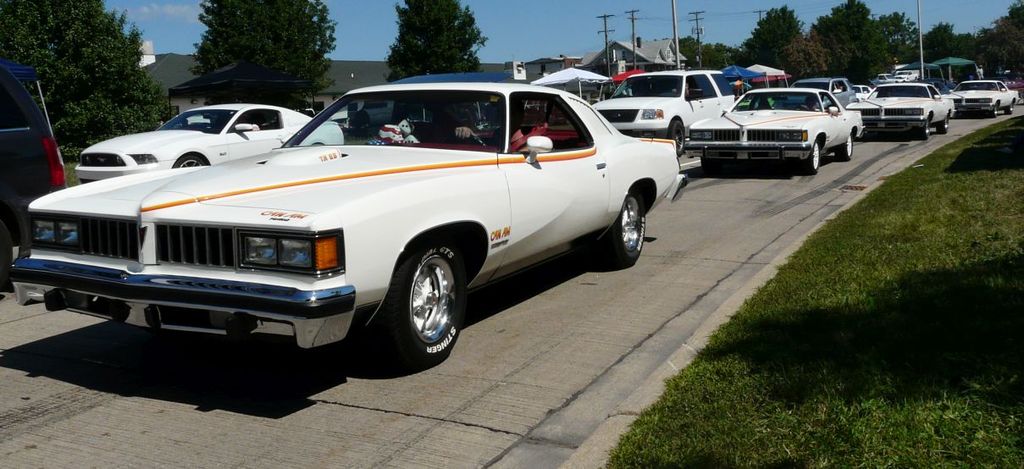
x: 827, y: 102
x: 934, y: 92
x: 10, y: 114
x: 724, y: 87
x: 263, y: 119
x: 837, y: 86
x: 548, y: 116
x: 704, y: 83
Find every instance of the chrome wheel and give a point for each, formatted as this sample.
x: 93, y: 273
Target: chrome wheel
x: 632, y: 225
x: 432, y: 298
x: 815, y: 157
x: 190, y: 163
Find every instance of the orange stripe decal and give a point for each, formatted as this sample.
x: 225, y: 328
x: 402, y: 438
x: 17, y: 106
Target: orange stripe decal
x: 658, y: 140
x: 503, y: 159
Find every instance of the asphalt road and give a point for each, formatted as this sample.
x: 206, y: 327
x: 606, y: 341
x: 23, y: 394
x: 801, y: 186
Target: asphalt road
x: 545, y: 359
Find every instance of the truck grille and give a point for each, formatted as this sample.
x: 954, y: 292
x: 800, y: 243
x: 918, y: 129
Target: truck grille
x: 110, y: 238
x: 620, y: 115
x: 101, y: 159
x: 725, y: 135
x: 196, y: 245
x: 873, y: 112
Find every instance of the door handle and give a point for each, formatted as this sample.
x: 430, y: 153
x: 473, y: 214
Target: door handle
x: 601, y: 166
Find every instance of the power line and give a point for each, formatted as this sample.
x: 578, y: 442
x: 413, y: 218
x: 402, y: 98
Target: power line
x: 607, y: 59
x: 632, y: 23
x: 698, y: 31
x: 759, y: 13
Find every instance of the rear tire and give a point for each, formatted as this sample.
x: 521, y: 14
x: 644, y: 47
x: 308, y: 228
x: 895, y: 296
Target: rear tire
x: 624, y: 241
x: 425, y: 307
x: 6, y: 254
x: 677, y: 132
x: 711, y: 166
x: 844, y: 152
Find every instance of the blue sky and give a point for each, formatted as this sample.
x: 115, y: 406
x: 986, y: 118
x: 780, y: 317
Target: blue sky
x: 529, y: 29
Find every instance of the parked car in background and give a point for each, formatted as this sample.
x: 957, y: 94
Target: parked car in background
x: 901, y: 107
x: 839, y: 87
x: 883, y: 78
x: 663, y: 104
x: 989, y: 96
x: 30, y: 166
x: 202, y: 136
x: 798, y: 125
x: 384, y: 232
x: 907, y: 75
x: 862, y: 91
x: 944, y: 87
x: 1015, y: 82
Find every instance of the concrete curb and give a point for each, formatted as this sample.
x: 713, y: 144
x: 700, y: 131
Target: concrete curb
x: 593, y: 452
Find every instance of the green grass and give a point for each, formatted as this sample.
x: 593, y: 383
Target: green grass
x: 893, y: 337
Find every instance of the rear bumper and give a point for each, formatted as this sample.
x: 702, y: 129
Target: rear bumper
x: 747, y: 151
x: 894, y: 124
x: 316, y: 317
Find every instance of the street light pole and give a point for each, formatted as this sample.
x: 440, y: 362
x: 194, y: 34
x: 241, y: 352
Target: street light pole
x: 920, y: 40
x: 675, y: 35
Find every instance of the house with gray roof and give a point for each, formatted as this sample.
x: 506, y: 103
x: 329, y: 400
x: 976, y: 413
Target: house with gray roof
x: 651, y: 56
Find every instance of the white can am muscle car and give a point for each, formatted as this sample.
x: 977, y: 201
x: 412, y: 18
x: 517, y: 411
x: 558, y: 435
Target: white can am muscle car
x: 792, y: 124
x: 989, y: 96
x: 901, y: 107
x: 202, y: 136
x: 458, y: 186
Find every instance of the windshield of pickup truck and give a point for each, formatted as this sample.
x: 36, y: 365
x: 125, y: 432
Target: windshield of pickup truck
x: 901, y: 92
x: 650, y: 86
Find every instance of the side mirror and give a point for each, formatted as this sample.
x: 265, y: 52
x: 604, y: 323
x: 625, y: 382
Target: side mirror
x: 244, y: 127
x: 693, y: 94
x: 833, y: 111
x: 537, y: 144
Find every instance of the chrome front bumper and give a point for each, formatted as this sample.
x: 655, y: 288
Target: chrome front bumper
x: 894, y: 124
x: 747, y: 150
x: 314, y: 317
x: 969, y: 107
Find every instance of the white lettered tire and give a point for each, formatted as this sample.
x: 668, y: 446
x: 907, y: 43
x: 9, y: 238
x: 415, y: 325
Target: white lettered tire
x: 425, y: 307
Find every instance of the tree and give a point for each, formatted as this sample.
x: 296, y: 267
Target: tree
x: 291, y: 36
x: 1001, y: 47
x: 773, y: 32
x: 715, y: 55
x: 434, y: 36
x: 855, y: 43
x: 941, y: 41
x: 88, y: 60
x: 900, y: 35
x: 805, y: 56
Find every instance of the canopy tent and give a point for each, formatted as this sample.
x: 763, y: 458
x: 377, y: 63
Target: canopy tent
x: 570, y: 75
x: 950, y: 62
x: 469, y: 77
x: 624, y: 75
x: 26, y: 73
x: 241, y: 76
x: 769, y: 74
x: 735, y: 71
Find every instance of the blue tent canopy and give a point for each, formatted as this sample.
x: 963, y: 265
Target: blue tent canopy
x: 470, y: 77
x: 21, y: 72
x: 735, y: 71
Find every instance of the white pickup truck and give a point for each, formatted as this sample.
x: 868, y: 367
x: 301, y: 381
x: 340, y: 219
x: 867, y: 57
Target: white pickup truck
x: 664, y: 104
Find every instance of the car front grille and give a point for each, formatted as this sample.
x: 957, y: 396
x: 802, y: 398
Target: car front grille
x: 762, y: 135
x: 725, y: 135
x: 110, y: 238
x: 958, y: 101
x: 195, y: 245
x: 101, y: 159
x: 902, y: 111
x: 620, y: 115
x: 873, y: 112
x: 977, y: 100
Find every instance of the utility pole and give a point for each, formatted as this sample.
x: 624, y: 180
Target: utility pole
x: 632, y: 25
x: 675, y: 35
x: 920, y: 41
x: 697, y: 31
x: 607, y: 59
x: 759, y: 12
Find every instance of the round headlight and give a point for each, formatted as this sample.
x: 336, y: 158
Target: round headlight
x: 260, y: 250
x: 296, y: 253
x: 43, y: 230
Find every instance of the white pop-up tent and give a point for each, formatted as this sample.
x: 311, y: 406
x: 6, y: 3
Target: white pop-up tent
x: 566, y: 76
x: 770, y: 74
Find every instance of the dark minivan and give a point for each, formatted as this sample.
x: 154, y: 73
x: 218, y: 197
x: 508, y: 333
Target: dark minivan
x: 30, y: 165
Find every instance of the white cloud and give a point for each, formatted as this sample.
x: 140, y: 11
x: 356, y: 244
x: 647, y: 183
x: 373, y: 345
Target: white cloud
x: 187, y: 13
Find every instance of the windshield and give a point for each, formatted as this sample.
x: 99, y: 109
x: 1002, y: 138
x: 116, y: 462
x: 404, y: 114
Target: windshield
x: 650, y: 86
x: 209, y: 121
x: 778, y: 101
x: 901, y: 92
x: 457, y: 120
x: 821, y: 85
x: 977, y: 86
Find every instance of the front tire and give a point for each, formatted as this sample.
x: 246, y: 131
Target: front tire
x: 845, y: 151
x: 425, y: 307
x: 943, y: 127
x: 809, y: 166
x: 995, y: 110
x: 1009, y: 109
x: 624, y: 241
x: 190, y: 160
x: 677, y: 132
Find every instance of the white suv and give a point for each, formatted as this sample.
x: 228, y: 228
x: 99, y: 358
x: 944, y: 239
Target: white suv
x: 663, y: 104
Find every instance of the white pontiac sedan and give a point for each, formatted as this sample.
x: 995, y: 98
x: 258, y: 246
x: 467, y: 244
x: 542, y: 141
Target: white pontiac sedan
x: 900, y: 107
x: 989, y: 96
x: 202, y: 136
x: 798, y: 125
x: 455, y: 186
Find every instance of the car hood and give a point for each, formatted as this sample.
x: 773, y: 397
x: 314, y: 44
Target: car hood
x: 890, y: 102
x: 146, y: 141
x: 974, y: 94
x: 773, y: 119
x: 288, y: 185
x: 633, y: 103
